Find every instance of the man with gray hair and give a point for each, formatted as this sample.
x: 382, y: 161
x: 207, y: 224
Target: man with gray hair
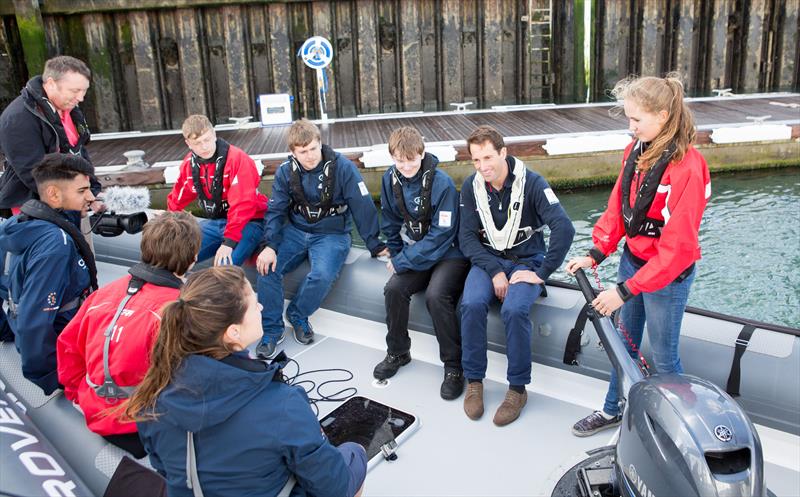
x: 43, y: 119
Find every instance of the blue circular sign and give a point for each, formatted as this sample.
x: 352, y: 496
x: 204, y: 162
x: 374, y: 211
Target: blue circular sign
x: 316, y: 52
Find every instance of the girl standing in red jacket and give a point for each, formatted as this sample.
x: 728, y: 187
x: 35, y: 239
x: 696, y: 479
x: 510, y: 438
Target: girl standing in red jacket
x: 98, y: 371
x: 657, y: 204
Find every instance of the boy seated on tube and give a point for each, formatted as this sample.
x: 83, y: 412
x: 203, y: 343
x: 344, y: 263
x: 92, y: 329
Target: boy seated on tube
x: 224, y: 181
x: 104, y: 351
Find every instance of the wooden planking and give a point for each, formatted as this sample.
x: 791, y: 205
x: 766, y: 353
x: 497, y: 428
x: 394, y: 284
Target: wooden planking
x: 99, y: 60
x: 431, y: 99
x: 306, y: 82
x: 233, y: 19
x: 786, y: 77
x: 322, y: 19
x: 228, y: 52
x: 567, y: 53
x: 169, y: 53
x: 721, y: 45
x: 146, y: 70
x: 192, y: 68
x: 259, y: 61
x: 368, y: 83
x: 388, y: 67
x: 12, y: 67
x: 345, y: 64
x: 616, y: 63
x: 471, y: 70
x: 216, y: 75
x: 452, y: 84
x: 280, y: 48
x: 492, y: 55
x: 653, y: 55
x: 509, y: 20
x: 452, y: 126
x: 687, y: 44
x: 410, y: 57
x: 755, y: 46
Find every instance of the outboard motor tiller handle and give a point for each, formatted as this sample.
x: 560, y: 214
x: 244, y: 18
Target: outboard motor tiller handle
x: 628, y: 371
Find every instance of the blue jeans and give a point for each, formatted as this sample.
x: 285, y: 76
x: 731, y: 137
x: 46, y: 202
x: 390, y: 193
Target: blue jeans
x: 355, y: 457
x: 515, y: 311
x: 663, y: 311
x: 326, y: 254
x: 213, y: 230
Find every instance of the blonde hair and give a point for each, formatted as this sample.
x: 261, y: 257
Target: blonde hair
x: 195, y: 125
x: 406, y: 143
x: 301, y: 133
x: 653, y: 94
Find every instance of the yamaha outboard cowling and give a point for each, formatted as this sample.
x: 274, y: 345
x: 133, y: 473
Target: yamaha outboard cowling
x: 682, y: 435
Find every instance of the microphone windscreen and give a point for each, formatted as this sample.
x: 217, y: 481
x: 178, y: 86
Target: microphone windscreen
x: 126, y: 199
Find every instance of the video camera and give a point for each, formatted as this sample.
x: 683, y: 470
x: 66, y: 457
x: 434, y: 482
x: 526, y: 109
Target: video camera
x: 125, y: 208
x: 112, y: 224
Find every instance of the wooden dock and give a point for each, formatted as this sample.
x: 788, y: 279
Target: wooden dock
x: 526, y: 130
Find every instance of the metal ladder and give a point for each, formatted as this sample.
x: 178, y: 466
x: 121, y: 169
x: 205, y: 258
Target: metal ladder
x: 540, y: 30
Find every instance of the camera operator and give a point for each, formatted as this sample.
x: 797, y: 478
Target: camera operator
x: 51, y: 268
x: 44, y: 118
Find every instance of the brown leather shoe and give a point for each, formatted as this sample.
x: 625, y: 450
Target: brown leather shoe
x: 473, y: 401
x: 510, y: 408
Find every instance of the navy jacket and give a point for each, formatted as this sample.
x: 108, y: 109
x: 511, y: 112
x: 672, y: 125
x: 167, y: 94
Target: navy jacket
x: 349, y: 189
x: 26, y: 136
x: 441, y: 241
x: 251, y: 432
x: 46, y: 272
x: 538, y: 211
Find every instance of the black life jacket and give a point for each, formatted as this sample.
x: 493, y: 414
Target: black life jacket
x: 635, y: 218
x: 36, y: 209
x: 35, y: 92
x: 416, y: 229
x: 214, y: 206
x: 325, y: 207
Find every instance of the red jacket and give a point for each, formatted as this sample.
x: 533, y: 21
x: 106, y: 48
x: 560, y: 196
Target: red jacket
x: 80, y: 347
x: 681, y: 198
x: 239, y: 188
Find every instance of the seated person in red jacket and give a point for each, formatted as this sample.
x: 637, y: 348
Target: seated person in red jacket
x: 228, y: 194
x: 104, y: 351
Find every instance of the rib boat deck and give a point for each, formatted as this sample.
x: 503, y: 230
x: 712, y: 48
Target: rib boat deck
x: 448, y: 454
x: 516, y: 124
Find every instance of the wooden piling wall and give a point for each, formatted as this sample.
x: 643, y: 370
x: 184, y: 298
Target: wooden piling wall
x: 156, y: 61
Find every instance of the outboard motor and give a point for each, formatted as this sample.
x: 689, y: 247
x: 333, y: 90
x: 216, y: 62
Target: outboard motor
x: 680, y: 435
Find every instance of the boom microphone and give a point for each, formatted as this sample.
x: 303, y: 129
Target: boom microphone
x: 125, y: 208
x: 126, y: 199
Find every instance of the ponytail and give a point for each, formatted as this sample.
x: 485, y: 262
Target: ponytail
x: 212, y: 300
x: 654, y: 95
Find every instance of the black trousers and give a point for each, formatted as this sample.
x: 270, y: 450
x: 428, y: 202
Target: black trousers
x: 443, y: 284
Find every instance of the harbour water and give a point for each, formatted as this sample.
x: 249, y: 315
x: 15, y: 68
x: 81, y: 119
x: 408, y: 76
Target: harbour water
x: 750, y: 238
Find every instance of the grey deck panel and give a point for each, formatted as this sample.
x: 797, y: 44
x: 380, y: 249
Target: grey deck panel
x: 450, y: 454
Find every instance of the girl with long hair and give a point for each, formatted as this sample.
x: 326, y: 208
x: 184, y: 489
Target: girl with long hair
x: 215, y: 421
x: 656, y: 204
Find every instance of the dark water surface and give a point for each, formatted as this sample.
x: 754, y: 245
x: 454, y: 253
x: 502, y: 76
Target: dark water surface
x: 750, y: 238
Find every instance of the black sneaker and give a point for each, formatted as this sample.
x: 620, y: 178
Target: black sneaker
x: 268, y: 347
x: 453, y: 384
x: 303, y: 333
x: 390, y: 364
x: 594, y: 423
